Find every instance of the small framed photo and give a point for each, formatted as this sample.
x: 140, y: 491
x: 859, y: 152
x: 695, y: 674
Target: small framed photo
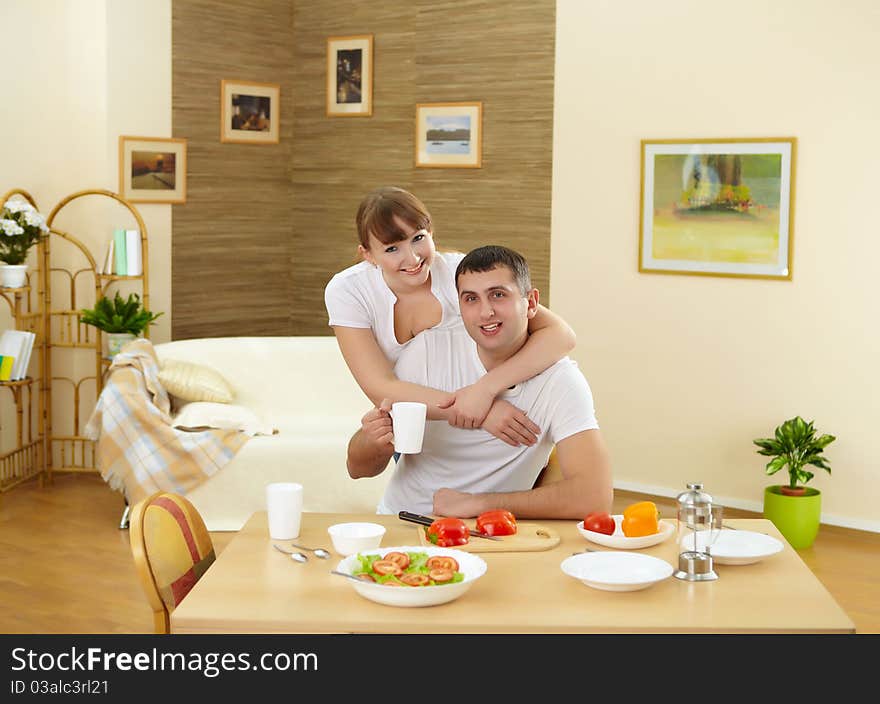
x: 718, y: 207
x: 449, y: 135
x: 350, y: 76
x: 250, y: 113
x: 152, y: 169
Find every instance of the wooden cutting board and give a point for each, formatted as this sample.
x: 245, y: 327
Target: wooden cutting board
x: 528, y: 537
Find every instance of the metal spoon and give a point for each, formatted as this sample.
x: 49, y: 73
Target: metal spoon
x: 345, y: 574
x: 319, y: 552
x: 295, y: 556
x: 581, y: 552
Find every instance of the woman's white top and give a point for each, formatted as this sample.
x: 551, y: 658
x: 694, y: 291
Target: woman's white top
x: 358, y: 297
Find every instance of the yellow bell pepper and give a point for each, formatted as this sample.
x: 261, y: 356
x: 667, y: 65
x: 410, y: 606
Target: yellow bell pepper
x: 641, y: 519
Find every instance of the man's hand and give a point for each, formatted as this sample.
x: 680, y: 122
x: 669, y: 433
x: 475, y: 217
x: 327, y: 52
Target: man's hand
x: 448, y: 502
x: 376, y: 426
x: 468, y: 406
x: 508, y: 423
x: 372, y: 447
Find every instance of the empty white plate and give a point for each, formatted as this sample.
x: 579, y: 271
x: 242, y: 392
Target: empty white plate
x: 616, y: 571
x: 736, y: 547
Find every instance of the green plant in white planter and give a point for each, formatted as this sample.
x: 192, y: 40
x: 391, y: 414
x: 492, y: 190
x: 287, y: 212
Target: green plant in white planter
x: 21, y: 227
x: 122, y: 319
x: 795, y: 509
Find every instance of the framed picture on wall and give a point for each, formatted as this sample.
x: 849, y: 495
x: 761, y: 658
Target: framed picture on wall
x: 152, y: 169
x: 350, y: 76
x: 250, y: 113
x: 718, y: 207
x: 449, y: 135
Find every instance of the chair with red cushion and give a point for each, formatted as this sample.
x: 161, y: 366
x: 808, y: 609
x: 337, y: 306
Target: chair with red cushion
x: 172, y: 549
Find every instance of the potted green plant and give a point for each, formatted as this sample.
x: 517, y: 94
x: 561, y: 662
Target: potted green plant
x: 21, y: 227
x: 794, y: 509
x: 123, y: 319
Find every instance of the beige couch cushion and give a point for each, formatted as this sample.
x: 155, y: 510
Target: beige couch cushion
x: 227, y: 416
x: 189, y: 381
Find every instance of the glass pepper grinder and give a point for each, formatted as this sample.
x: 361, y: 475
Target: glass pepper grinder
x: 699, y: 523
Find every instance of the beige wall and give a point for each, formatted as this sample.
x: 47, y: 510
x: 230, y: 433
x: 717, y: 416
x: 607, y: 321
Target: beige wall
x: 688, y: 370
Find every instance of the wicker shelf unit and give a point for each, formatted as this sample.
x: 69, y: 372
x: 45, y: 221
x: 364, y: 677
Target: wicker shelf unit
x: 68, y: 362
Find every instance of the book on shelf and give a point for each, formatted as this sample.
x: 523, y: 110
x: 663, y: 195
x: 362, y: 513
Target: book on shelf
x: 9, y: 348
x: 27, y: 347
x: 6, y: 363
x: 134, y: 265
x: 120, y: 256
x: 15, y: 347
x: 107, y: 267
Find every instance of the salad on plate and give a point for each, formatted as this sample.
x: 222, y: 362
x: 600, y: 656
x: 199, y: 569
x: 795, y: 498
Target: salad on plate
x: 407, y: 569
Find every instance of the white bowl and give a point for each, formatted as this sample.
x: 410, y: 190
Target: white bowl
x: 472, y: 566
x: 620, y: 541
x: 349, y: 538
x: 616, y: 571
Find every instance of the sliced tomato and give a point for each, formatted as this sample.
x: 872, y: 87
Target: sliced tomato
x: 496, y: 522
x: 387, y: 567
x: 398, y: 558
x: 443, y: 562
x: 441, y: 574
x: 447, y: 532
x: 415, y: 579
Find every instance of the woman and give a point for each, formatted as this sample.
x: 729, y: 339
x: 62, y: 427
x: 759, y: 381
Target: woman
x: 404, y: 286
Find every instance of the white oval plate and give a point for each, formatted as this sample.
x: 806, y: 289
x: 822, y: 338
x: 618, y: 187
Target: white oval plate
x: 618, y: 540
x: 736, y: 547
x: 473, y: 567
x: 616, y: 571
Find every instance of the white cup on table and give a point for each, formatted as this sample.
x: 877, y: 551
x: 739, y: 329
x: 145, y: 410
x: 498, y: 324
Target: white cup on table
x: 284, y: 502
x: 408, y: 424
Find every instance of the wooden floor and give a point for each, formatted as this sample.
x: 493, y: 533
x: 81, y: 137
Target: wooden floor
x: 65, y: 567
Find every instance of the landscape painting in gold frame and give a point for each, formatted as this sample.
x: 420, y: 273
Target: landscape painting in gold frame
x: 250, y: 113
x: 449, y: 135
x: 350, y: 76
x: 152, y: 169
x: 718, y: 207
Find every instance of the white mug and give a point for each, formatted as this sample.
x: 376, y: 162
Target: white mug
x: 284, y: 502
x: 408, y: 424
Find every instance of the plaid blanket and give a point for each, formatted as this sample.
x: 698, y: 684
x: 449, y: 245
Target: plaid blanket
x: 138, y: 451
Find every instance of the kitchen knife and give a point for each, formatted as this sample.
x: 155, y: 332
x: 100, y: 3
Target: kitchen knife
x: 427, y: 520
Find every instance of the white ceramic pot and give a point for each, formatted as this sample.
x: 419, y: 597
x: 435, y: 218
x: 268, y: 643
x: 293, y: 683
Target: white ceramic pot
x: 116, y: 341
x: 13, y: 275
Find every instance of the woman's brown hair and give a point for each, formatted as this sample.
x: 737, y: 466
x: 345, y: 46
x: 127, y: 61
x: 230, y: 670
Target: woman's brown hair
x: 375, y: 216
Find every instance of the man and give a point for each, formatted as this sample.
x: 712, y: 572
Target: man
x: 465, y: 472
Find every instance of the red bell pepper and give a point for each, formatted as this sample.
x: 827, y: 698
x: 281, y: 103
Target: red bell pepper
x: 497, y: 522
x: 447, y: 532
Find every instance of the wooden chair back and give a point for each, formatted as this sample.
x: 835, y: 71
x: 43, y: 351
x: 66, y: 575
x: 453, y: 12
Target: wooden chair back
x: 172, y: 549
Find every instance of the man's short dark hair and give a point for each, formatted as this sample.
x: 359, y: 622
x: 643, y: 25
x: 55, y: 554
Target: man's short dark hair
x: 491, y: 257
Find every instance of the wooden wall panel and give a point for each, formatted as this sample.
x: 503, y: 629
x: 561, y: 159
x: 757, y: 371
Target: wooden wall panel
x: 231, y: 243
x: 424, y: 51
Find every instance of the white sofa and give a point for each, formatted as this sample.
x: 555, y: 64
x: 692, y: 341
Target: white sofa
x: 303, y: 386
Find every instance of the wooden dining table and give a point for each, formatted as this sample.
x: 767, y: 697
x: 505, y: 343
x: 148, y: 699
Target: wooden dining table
x: 252, y: 588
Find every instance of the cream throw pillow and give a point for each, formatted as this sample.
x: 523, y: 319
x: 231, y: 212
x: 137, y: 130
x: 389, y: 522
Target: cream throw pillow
x: 194, y: 382
x: 201, y: 414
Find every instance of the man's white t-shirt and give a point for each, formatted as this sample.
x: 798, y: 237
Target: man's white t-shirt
x: 358, y: 297
x: 559, y: 400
